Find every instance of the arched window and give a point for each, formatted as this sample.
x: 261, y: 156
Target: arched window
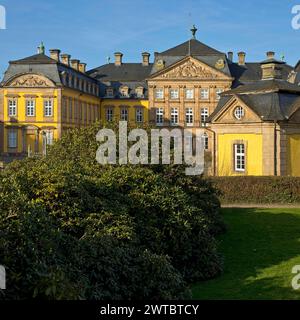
x: 239, y: 113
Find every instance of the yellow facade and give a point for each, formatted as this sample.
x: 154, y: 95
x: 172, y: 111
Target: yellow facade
x: 293, y: 155
x: 17, y: 123
x: 78, y: 109
x: 225, y: 154
x: 70, y: 109
x: 117, y: 105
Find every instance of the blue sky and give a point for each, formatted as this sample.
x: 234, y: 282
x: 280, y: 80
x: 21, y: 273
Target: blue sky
x: 93, y: 30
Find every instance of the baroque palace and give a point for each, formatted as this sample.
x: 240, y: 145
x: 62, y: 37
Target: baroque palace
x: 249, y: 112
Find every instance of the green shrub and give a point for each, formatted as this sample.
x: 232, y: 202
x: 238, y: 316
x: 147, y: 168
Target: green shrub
x: 161, y: 225
x: 268, y: 190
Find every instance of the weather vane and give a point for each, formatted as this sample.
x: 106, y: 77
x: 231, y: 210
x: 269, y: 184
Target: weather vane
x: 194, y: 30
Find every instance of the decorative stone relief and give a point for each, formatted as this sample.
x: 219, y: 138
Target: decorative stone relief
x: 31, y: 81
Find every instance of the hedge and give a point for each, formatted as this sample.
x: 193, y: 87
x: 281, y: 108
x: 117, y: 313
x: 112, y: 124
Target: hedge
x: 262, y: 190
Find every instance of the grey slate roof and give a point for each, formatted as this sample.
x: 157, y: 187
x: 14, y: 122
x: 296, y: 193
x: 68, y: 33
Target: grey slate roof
x: 40, y: 64
x: 191, y: 47
x: 269, y: 99
x: 125, y: 72
x: 35, y: 59
x: 251, y: 71
x: 132, y: 75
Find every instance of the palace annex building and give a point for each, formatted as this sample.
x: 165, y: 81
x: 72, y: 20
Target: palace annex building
x: 249, y: 112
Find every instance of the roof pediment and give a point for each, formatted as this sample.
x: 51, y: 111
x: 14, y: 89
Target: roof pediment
x: 190, y: 68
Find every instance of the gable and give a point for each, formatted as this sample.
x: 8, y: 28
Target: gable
x: 227, y: 113
x: 191, y: 68
x: 30, y: 81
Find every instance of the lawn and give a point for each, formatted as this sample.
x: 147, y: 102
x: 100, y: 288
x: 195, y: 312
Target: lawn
x: 260, y: 248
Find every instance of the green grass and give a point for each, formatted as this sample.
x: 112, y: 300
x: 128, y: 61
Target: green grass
x: 260, y: 248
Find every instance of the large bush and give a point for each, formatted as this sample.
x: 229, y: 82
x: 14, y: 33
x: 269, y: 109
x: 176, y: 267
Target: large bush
x: 104, y: 231
x: 265, y: 190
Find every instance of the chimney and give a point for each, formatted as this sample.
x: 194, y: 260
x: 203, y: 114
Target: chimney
x: 54, y: 54
x: 146, y: 58
x: 118, y: 58
x: 242, y: 56
x: 230, y: 56
x: 270, y: 55
x: 65, y: 59
x: 82, y: 67
x: 75, y: 64
x: 271, y: 70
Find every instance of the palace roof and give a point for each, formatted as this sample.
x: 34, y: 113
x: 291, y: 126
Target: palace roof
x: 270, y: 99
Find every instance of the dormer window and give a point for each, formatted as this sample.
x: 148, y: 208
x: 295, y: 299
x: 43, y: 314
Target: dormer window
x: 109, y: 92
x: 124, y: 92
x: 139, y: 92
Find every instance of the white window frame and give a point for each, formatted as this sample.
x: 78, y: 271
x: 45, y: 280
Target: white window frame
x: 139, y: 115
x: 174, y: 116
x: 204, y: 94
x: 204, y: 116
x: 174, y: 94
x: 12, y: 139
x: 124, y: 114
x: 239, y: 157
x: 159, y: 93
x: 12, y: 107
x: 48, y: 108
x: 30, y: 108
x: 218, y: 92
x: 159, y: 116
x: 109, y: 114
x: 49, y: 137
x: 239, y: 113
x: 189, y: 94
x: 189, y: 116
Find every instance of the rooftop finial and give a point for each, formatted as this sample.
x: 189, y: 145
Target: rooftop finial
x: 194, y: 31
x: 41, y: 48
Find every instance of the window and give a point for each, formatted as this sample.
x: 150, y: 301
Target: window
x: 124, y: 114
x: 204, y: 116
x: 139, y: 92
x: 139, y: 115
x: 189, y: 94
x: 48, y: 108
x: 174, y: 116
x: 30, y: 108
x: 159, y: 116
x: 189, y: 116
x: 204, y: 94
x: 239, y: 113
x: 109, y: 114
x: 85, y: 106
x: 12, y: 108
x: 159, y: 93
x: 174, y: 94
x: 12, y: 138
x: 239, y: 157
x: 218, y: 92
x: 75, y: 109
x: 205, y: 141
x: 110, y: 93
x: 124, y: 92
x: 49, y: 138
x: 70, y: 109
